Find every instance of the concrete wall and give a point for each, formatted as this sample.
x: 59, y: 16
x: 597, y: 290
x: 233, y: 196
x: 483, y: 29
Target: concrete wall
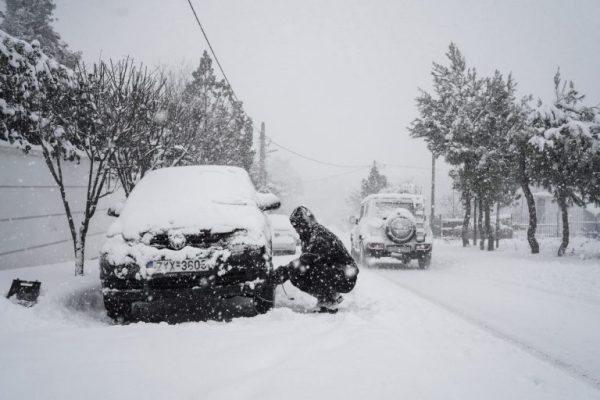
x: 33, y: 225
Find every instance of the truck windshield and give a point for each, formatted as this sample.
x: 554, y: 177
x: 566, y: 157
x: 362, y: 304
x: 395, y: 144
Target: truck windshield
x: 382, y: 209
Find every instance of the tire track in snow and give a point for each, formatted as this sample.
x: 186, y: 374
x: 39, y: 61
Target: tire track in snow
x: 582, y: 298
x: 528, y: 348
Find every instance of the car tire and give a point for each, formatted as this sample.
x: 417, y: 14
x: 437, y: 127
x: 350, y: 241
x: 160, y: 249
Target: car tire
x: 264, y: 299
x: 425, y: 261
x: 117, y: 310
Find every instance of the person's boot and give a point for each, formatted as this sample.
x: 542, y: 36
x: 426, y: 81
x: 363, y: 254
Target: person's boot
x: 329, y: 304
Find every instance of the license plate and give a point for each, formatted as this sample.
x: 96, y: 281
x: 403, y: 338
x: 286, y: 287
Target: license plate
x: 169, y: 266
x: 399, y: 249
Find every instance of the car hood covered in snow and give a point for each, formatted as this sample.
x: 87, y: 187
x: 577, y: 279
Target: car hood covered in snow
x: 191, y: 199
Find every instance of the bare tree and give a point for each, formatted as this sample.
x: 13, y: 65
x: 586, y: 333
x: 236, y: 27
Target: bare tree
x: 63, y: 113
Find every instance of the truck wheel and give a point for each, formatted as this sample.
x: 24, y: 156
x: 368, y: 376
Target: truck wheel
x: 264, y: 299
x: 425, y: 261
x: 118, y: 310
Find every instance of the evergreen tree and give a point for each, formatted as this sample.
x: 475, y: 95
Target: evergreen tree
x: 222, y: 130
x: 375, y: 182
x: 31, y: 20
x: 470, y: 122
x: 519, y: 152
x: 566, y: 139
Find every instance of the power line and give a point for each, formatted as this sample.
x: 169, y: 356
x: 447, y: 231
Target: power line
x: 314, y: 159
x: 211, y: 49
x: 334, y: 176
x: 270, y: 138
x: 355, y: 167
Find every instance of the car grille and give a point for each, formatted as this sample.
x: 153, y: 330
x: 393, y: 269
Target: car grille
x: 205, y: 239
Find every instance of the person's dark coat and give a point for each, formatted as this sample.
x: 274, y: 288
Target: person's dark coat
x: 325, y: 268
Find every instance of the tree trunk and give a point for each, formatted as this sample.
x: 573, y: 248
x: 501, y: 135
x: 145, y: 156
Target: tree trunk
x: 432, y: 210
x: 480, y: 225
x: 497, y: 224
x: 488, y: 228
x: 465, y: 227
x: 564, y: 210
x: 533, y: 243
x: 475, y: 221
x: 79, y: 253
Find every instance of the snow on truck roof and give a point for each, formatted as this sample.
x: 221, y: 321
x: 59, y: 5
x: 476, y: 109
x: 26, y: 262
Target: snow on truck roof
x: 406, y: 197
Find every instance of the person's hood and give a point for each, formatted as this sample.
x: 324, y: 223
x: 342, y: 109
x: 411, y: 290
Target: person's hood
x: 304, y: 221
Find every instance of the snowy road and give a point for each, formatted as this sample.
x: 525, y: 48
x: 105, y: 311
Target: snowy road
x: 514, y: 301
x: 475, y: 326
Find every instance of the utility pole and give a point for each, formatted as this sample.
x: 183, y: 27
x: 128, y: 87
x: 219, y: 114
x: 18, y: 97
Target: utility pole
x: 262, y: 155
x: 432, y: 213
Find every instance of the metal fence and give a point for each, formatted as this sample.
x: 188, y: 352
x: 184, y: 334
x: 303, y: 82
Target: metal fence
x: 583, y: 228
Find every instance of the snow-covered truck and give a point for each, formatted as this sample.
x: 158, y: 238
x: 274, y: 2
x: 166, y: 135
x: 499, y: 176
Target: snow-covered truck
x: 189, y: 232
x: 391, y: 226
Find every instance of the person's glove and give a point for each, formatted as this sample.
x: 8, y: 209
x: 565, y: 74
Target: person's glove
x: 308, y: 259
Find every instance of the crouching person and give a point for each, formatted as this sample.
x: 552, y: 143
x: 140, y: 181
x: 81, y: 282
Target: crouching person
x: 324, y: 269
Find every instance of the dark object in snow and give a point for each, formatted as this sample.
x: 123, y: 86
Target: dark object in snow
x: 325, y: 268
x: 325, y: 310
x: 27, y: 292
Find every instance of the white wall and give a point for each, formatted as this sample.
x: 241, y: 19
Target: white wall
x: 33, y: 226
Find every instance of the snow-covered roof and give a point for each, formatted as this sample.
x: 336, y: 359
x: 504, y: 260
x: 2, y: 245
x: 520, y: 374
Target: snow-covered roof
x: 403, y: 197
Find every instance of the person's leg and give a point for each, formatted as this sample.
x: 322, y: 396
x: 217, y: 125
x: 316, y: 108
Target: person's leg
x: 320, y: 283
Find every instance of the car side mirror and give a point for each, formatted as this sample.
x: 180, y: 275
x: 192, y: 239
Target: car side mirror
x: 268, y: 201
x: 353, y: 220
x: 115, y: 210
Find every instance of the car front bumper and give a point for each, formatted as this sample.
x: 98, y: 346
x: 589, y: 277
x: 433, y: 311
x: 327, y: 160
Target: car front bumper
x: 234, y: 280
x: 148, y: 292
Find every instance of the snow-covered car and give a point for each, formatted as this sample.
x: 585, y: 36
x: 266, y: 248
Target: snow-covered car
x: 392, y: 225
x: 189, y: 232
x: 285, y: 238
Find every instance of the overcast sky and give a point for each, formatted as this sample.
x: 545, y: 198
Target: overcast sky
x: 336, y: 80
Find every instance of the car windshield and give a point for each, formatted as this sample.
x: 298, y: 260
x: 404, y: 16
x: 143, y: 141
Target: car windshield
x: 175, y: 186
x: 382, y: 209
x: 215, y: 198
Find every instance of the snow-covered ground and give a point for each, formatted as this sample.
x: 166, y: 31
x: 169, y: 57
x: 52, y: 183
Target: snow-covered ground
x: 476, y: 325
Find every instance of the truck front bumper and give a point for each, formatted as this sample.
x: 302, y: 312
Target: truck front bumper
x: 402, y: 251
